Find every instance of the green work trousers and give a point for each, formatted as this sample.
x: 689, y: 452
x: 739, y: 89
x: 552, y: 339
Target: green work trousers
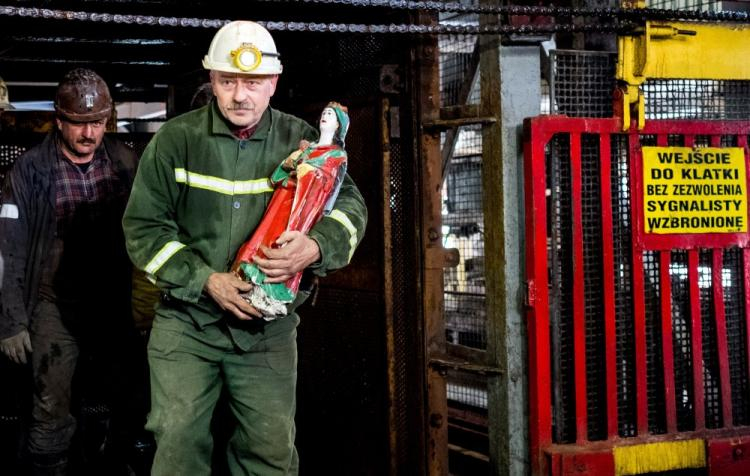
x: 189, y: 368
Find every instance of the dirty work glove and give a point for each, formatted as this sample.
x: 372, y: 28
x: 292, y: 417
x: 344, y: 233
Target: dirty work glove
x: 15, y: 347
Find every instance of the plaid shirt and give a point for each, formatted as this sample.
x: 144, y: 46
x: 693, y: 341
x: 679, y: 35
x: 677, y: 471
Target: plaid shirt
x: 82, y: 200
x: 76, y: 188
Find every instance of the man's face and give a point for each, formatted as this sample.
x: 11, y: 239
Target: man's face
x: 80, y: 139
x: 242, y: 98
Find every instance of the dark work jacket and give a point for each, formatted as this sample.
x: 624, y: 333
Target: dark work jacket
x: 28, y: 225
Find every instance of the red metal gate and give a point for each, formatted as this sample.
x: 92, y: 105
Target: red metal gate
x: 638, y: 341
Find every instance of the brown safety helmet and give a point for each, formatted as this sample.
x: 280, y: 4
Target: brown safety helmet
x: 83, y: 96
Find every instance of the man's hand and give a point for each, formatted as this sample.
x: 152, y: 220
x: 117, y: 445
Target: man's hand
x: 15, y: 347
x: 295, y: 252
x: 225, y: 289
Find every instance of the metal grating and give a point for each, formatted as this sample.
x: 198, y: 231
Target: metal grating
x: 711, y: 378
x: 463, y: 229
x: 9, y: 152
x: 405, y: 331
x: 654, y: 371
x: 701, y: 5
x: 681, y: 339
x: 459, y: 70
x: 560, y: 261
x: 697, y: 99
x: 622, y: 254
x: 347, y: 375
x: 561, y: 292
x: 582, y: 83
x: 593, y: 285
x: 468, y: 390
x: 734, y: 312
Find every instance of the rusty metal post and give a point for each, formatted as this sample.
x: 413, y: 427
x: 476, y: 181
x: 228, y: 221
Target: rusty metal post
x: 426, y: 59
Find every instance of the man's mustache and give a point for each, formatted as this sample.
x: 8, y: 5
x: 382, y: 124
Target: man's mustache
x: 241, y: 107
x: 86, y: 141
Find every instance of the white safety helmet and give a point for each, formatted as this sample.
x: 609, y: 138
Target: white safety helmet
x: 243, y: 47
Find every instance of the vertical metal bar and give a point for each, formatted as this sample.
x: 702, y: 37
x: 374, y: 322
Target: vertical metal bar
x: 665, y: 287
x: 540, y: 405
x: 639, y: 304
x: 579, y: 304
x: 426, y: 57
x: 608, y: 277
x: 385, y: 183
x: 696, y: 333
x: 721, y: 337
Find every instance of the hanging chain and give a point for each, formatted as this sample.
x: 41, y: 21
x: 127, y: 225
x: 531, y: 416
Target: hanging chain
x: 617, y: 20
x: 516, y: 10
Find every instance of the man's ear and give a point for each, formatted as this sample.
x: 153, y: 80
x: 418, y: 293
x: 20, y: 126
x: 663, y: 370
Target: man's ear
x: 274, y: 80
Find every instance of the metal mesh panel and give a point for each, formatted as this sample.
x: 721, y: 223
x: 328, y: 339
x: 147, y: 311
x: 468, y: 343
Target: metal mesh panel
x: 654, y: 369
x: 734, y: 312
x: 702, y: 5
x: 402, y: 217
x: 582, y: 83
x: 350, y: 370
x: 593, y: 286
x: 696, y: 99
x: 711, y: 379
x: 459, y: 66
x: 467, y: 389
x: 463, y: 229
x: 561, y: 292
x: 8, y: 154
x: 626, y: 401
x: 681, y: 341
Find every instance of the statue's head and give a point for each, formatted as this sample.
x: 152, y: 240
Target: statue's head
x: 342, y: 118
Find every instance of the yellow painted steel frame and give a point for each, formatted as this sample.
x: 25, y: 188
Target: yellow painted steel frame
x: 679, y: 50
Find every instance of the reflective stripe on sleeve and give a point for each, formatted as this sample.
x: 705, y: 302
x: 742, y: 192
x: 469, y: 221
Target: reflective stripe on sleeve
x: 8, y: 210
x: 340, y: 217
x: 220, y: 185
x: 166, y: 252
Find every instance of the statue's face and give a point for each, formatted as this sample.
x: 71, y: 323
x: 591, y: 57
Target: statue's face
x: 328, y: 121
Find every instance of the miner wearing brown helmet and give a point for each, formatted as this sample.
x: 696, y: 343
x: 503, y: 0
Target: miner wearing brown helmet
x: 66, y: 285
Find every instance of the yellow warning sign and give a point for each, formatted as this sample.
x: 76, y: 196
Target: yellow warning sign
x: 701, y: 190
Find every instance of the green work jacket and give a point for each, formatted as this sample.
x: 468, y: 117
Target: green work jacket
x: 200, y: 192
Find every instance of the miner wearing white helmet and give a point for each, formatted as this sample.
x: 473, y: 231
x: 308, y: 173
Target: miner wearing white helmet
x: 201, y: 190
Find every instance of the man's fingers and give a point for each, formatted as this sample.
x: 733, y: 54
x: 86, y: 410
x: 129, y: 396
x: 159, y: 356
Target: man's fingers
x: 278, y: 279
x: 244, y: 311
x: 243, y: 286
x: 21, y: 356
x: 27, y: 343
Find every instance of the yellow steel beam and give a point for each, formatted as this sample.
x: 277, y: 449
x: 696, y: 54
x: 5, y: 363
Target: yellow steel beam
x: 671, y: 50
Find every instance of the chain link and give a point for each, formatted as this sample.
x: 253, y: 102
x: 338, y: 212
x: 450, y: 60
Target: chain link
x: 618, y: 20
